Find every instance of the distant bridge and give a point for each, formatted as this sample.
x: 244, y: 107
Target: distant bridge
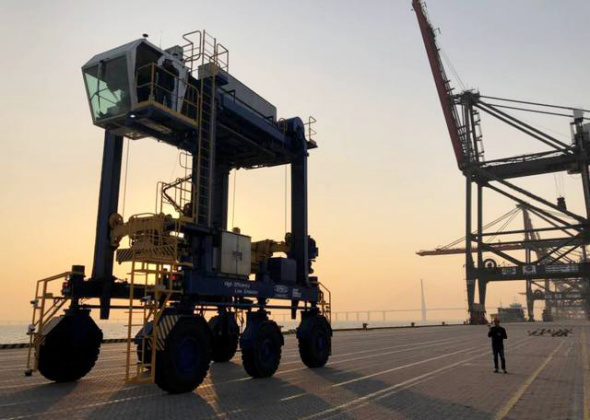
x: 374, y: 315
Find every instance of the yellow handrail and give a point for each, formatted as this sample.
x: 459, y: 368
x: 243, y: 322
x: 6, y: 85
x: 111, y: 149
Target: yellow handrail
x: 190, y: 101
x: 310, y: 131
x: 204, y: 49
x: 43, y: 314
x: 325, y: 306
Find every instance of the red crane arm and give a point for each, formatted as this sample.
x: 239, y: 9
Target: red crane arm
x: 442, y: 85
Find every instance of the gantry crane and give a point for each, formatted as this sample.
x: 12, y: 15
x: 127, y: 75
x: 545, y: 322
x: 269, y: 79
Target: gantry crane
x: 462, y: 116
x: 559, y: 295
x: 181, y: 258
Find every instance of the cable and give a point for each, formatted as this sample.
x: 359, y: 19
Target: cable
x: 522, y: 126
x: 559, y: 184
x: 449, y: 64
x: 177, y: 161
x: 535, y: 103
x: 501, y: 228
x: 562, y: 135
x: 535, y: 111
x: 511, y: 213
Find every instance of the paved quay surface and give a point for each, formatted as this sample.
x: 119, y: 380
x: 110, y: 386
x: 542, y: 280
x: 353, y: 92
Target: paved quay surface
x: 421, y: 373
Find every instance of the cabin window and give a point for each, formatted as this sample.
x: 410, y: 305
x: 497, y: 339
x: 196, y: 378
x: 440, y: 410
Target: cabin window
x: 107, y: 85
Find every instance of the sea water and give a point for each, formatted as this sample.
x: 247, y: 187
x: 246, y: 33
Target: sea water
x: 11, y: 333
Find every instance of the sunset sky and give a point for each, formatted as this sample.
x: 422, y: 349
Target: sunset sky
x: 383, y: 182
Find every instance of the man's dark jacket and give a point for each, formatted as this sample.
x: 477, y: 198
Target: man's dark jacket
x: 498, y: 335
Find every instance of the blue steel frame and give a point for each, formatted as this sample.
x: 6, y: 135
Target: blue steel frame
x: 266, y: 144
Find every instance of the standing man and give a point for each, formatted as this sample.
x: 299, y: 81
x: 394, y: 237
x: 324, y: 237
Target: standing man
x: 498, y: 335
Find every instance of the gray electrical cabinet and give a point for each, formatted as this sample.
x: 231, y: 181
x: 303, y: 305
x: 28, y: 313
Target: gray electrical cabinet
x: 235, y: 254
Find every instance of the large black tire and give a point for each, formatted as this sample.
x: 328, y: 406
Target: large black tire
x: 70, y: 349
x: 225, y: 337
x: 263, y: 357
x: 183, y: 363
x: 315, y: 344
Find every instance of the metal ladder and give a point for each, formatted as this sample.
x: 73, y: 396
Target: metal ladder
x: 158, y: 282
x: 155, y: 271
x: 203, y: 159
x: 477, y: 135
x: 211, y: 58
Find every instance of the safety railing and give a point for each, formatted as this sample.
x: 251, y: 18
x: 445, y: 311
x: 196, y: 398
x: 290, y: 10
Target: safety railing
x: 45, y: 307
x: 325, y: 305
x: 310, y: 132
x: 177, y: 195
x: 309, y: 128
x: 185, y: 162
x: 157, y: 85
x: 202, y: 48
x: 153, y: 238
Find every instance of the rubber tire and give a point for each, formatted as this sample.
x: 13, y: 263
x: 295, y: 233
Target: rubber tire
x: 225, y: 346
x: 263, y: 358
x: 315, y: 349
x: 183, y: 364
x: 70, y: 350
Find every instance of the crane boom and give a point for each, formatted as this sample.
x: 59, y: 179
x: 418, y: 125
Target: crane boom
x: 460, y: 142
x: 538, y: 246
x: 455, y: 251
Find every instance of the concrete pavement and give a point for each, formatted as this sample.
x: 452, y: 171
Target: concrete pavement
x: 421, y: 373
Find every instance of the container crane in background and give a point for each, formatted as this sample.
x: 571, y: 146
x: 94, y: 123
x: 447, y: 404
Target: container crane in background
x: 560, y: 296
x: 570, y: 231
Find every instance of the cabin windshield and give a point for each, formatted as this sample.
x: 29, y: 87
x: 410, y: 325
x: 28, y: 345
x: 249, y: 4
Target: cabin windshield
x: 107, y: 85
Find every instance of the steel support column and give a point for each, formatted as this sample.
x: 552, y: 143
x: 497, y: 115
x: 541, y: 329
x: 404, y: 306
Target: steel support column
x: 481, y: 281
x: 469, y: 268
x: 585, y: 174
x: 220, y: 197
x: 108, y: 201
x: 299, y: 235
x: 530, y: 299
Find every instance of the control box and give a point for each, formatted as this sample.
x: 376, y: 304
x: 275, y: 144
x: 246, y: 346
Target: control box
x: 235, y: 254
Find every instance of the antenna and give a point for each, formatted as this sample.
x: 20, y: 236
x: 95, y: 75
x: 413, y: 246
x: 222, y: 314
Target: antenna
x: 423, y: 301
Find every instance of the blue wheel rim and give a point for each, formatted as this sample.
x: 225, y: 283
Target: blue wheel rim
x: 188, y: 356
x: 267, y: 351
